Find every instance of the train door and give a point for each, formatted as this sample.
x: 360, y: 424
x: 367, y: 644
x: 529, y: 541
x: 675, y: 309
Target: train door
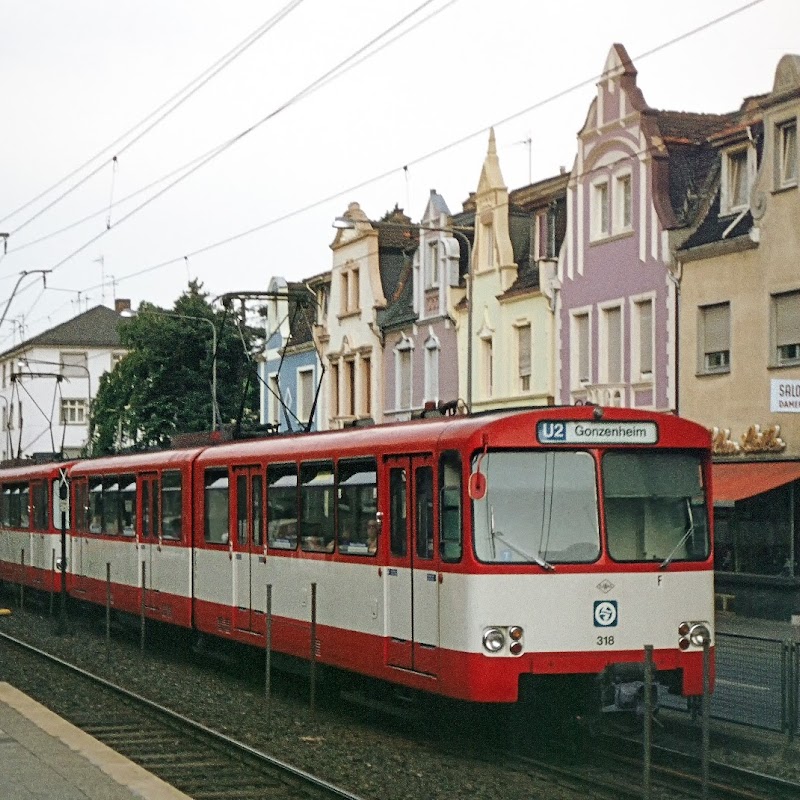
x: 40, y: 555
x: 248, y: 546
x: 412, y: 579
x: 80, y: 489
x: 148, y: 532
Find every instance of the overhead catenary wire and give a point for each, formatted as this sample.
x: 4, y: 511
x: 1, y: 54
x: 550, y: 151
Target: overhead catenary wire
x: 184, y: 171
x: 431, y: 154
x: 160, y: 113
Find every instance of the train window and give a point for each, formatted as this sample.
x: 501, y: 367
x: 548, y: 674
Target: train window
x: 316, y: 504
x: 282, y: 506
x: 41, y: 506
x: 56, y: 505
x: 357, y: 506
x: 540, y: 507
x: 127, y: 505
x: 424, y: 522
x: 216, y: 506
x: 5, y: 507
x: 655, y: 506
x: 450, y: 539
x: 111, y: 502
x: 257, y: 501
x: 171, y: 504
x: 398, y: 534
x: 241, y: 510
x: 15, y: 497
x: 95, y: 505
x: 24, y: 506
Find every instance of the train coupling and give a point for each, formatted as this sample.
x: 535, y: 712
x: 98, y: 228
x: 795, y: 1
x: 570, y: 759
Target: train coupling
x: 622, y: 689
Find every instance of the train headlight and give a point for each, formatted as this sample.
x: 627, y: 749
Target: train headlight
x: 493, y: 640
x: 699, y: 634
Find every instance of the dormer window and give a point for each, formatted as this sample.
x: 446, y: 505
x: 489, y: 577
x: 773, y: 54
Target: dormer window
x: 432, y: 265
x: 787, y: 153
x: 735, y: 180
x: 350, y: 299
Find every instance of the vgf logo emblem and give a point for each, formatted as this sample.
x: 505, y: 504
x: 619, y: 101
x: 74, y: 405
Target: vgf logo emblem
x: 605, y: 613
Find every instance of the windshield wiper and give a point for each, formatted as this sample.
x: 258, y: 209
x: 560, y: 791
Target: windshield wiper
x: 666, y: 562
x: 527, y: 556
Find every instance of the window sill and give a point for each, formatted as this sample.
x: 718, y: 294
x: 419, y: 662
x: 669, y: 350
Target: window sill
x: 349, y: 314
x: 785, y: 187
x: 784, y: 364
x: 611, y: 237
x: 705, y: 373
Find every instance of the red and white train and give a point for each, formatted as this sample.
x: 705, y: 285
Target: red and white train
x: 477, y: 557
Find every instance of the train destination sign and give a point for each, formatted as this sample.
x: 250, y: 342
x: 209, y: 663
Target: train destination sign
x: 596, y: 432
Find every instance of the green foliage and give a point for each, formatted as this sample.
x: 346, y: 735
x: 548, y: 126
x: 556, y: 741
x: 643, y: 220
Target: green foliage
x: 162, y: 387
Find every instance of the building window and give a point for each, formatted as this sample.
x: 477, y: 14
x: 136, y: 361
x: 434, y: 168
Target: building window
x: 715, y: 338
x: 350, y: 303
x: 305, y: 393
x: 643, y: 331
x: 524, y: 357
x: 735, y: 181
x: 787, y: 151
x: 488, y: 245
x: 581, y: 358
x: 432, y: 265
x: 366, y: 385
x: 487, y: 364
x: 274, y: 400
x: 322, y: 293
x: 623, y: 200
x: 612, y: 330
x: 432, y: 369
x: 349, y: 399
x: 74, y: 365
x: 786, y: 328
x: 73, y: 412
x: 334, y: 387
x: 402, y: 372
x: 542, y: 236
x: 600, y: 221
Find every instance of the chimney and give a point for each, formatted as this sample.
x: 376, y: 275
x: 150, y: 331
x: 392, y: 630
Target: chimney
x: 121, y: 305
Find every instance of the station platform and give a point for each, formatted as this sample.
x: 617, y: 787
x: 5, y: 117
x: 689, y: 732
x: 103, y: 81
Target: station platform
x: 44, y: 756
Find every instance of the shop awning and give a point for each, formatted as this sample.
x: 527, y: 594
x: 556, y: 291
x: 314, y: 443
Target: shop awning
x: 738, y: 481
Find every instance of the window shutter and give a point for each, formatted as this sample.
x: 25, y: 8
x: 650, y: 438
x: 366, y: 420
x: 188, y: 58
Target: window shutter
x: 716, y: 328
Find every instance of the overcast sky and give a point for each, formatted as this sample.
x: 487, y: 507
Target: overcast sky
x: 79, y: 75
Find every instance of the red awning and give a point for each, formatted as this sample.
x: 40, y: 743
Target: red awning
x: 738, y: 481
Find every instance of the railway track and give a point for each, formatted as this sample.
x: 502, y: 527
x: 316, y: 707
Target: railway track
x: 202, y: 763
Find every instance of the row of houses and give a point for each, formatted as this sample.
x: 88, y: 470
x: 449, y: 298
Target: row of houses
x: 662, y: 272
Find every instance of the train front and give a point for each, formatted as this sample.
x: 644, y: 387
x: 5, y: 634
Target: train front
x: 594, y: 540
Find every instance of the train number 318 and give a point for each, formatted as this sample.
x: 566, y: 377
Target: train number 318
x: 605, y: 641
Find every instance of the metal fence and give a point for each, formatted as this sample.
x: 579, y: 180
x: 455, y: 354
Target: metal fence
x: 757, y: 683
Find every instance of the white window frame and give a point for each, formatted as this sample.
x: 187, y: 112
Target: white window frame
x: 600, y: 197
x: 780, y: 339
x: 432, y: 265
x: 623, y: 203
x: 73, y: 411
x: 576, y: 379
x: 403, y: 369
x: 74, y: 364
x: 273, y: 399
x: 785, y: 151
x: 727, y: 205
x: 524, y: 379
x: 605, y: 352
x: 638, y: 374
x: 432, y: 351
x: 305, y: 403
x: 712, y: 362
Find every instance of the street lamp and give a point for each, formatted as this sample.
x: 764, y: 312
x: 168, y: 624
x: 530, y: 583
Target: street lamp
x: 344, y: 223
x: 128, y: 313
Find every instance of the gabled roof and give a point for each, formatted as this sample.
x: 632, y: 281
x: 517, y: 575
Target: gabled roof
x: 97, y: 327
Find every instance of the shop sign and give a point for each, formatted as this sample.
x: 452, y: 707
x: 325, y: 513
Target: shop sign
x: 785, y: 396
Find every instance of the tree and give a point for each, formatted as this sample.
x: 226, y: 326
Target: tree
x: 162, y: 386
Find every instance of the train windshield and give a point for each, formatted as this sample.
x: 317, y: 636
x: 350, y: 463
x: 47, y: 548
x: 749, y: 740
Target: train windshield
x: 540, y: 507
x: 655, y: 507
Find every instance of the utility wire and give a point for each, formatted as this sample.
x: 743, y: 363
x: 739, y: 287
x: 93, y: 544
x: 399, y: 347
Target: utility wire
x: 429, y: 155
x: 167, y: 107
x: 352, y: 61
